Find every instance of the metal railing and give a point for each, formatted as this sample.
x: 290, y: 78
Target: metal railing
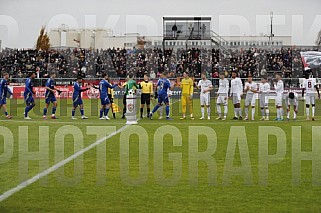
x: 289, y: 82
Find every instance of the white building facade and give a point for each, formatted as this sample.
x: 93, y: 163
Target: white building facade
x: 104, y: 39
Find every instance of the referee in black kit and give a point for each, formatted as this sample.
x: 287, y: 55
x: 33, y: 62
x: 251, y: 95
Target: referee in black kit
x: 147, y: 94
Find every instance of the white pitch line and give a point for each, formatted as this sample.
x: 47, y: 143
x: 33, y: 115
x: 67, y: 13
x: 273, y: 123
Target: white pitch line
x: 35, y: 178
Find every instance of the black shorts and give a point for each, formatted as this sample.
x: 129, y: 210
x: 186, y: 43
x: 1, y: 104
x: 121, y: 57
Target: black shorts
x: 110, y: 98
x: 145, y: 99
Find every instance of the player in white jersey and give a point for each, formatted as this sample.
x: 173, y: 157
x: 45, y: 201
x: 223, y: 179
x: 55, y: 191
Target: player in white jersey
x: 309, y: 87
x: 279, y: 89
x: 222, y: 96
x: 292, y: 99
x: 250, y: 88
x: 206, y: 86
x: 264, y: 91
x: 236, y: 94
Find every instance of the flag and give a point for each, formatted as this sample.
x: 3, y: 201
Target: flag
x: 115, y: 108
x: 311, y: 59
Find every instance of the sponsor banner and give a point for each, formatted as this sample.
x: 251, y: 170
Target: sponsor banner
x: 93, y: 93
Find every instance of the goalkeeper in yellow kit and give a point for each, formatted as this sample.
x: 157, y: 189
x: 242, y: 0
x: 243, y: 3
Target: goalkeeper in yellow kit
x: 187, y: 86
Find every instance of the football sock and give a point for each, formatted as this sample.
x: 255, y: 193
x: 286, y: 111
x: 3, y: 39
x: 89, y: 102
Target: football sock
x: 225, y: 110
x: 218, y: 108
x: 253, y: 113
x: 82, y: 112
x: 167, y: 111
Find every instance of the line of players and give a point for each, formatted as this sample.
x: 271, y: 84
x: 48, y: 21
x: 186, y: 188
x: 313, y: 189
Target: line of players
x: 163, y: 94
x: 50, y: 97
x: 234, y: 90
x: 251, y: 88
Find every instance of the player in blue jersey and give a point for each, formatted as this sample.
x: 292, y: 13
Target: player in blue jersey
x: 50, y: 96
x: 28, y: 95
x: 105, y: 102
x: 77, y: 100
x: 4, y: 92
x: 163, y: 85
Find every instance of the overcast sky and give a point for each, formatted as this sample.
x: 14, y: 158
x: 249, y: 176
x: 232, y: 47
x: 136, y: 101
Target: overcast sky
x: 20, y: 20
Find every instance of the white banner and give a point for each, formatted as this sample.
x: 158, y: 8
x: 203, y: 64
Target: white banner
x: 311, y: 59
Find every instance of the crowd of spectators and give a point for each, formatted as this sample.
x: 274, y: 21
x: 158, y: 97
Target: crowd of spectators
x: 69, y: 63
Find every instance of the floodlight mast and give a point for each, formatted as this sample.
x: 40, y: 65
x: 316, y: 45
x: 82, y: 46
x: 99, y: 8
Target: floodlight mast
x: 271, y: 26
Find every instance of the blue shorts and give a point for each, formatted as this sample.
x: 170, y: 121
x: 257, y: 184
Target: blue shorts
x: 104, y: 101
x: 3, y: 101
x: 77, y: 102
x: 163, y: 98
x: 50, y: 99
x: 29, y: 98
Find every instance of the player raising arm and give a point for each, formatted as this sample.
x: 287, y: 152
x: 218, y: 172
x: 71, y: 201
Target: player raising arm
x: 4, y: 91
x: 309, y: 87
x: 28, y: 95
x: 77, y: 100
x: 206, y: 86
x: 50, y: 96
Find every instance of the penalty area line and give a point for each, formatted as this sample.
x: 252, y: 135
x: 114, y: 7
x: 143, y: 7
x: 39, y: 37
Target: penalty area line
x: 53, y: 168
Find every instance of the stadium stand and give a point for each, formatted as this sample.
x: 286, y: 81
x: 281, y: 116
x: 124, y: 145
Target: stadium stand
x: 118, y: 62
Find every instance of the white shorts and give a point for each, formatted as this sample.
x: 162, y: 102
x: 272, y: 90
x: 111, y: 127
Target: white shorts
x: 222, y: 99
x: 250, y: 100
x: 264, y: 100
x: 292, y: 102
x: 279, y: 100
x: 205, y: 99
x: 236, y: 98
x: 310, y: 99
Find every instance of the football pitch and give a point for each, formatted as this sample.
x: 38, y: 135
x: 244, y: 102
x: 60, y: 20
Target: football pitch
x: 160, y: 166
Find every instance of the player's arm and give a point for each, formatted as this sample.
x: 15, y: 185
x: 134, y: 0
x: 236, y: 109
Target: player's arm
x: 111, y: 86
x: 1, y: 88
x: 317, y: 89
x: 151, y: 90
x: 191, y: 88
x: 52, y: 89
x: 28, y: 87
x: 198, y: 85
x: 303, y: 91
x: 95, y: 87
x: 241, y: 86
x: 10, y: 92
x: 84, y: 89
x: 246, y: 87
x: 47, y: 86
x: 231, y: 90
x: 255, y: 90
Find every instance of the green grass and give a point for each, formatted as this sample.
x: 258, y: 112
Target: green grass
x: 110, y: 191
